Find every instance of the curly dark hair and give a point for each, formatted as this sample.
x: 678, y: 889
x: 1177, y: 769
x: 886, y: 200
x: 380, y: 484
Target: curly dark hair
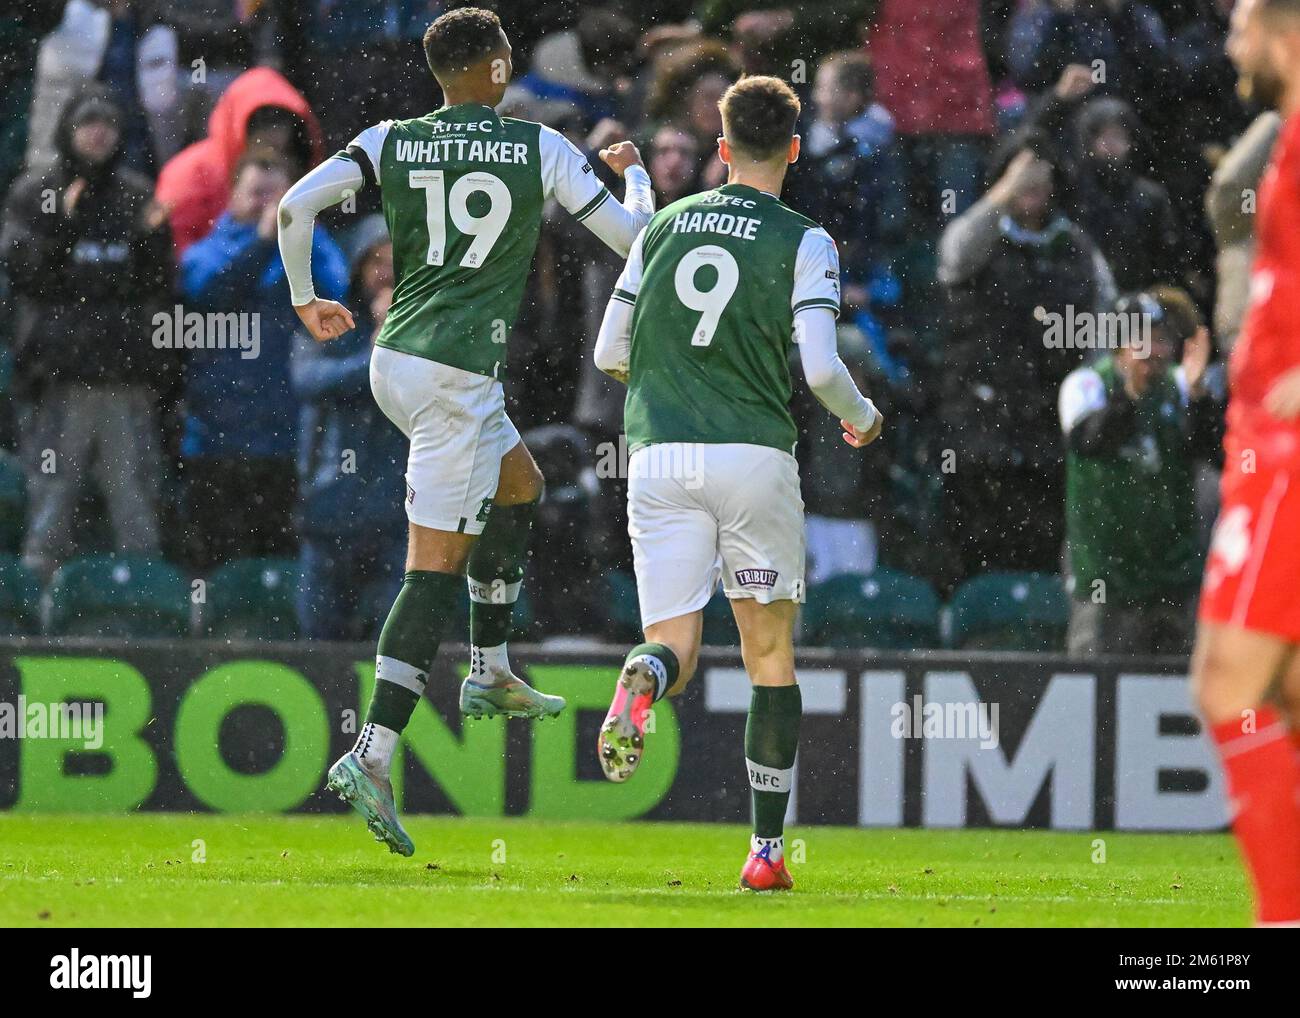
x: 678, y: 70
x: 461, y: 38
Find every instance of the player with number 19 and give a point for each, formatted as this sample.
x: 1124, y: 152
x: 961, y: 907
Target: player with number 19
x: 463, y: 190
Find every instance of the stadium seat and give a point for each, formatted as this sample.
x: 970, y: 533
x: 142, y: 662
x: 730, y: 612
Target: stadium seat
x: 886, y: 609
x: 1009, y: 611
x: 252, y: 599
x: 20, y: 598
x: 106, y: 595
x: 13, y: 503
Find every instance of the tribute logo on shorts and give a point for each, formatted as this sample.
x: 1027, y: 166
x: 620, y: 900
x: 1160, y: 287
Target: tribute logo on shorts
x: 757, y: 577
x: 410, y: 495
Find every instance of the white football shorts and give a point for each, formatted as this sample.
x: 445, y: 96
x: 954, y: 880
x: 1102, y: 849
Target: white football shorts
x: 698, y: 512
x: 458, y: 428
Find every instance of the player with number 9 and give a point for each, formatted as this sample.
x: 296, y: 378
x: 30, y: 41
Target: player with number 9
x: 700, y: 326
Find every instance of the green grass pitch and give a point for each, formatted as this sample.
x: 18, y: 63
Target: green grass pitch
x: 208, y: 870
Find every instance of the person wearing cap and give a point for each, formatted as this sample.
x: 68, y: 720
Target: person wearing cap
x: 89, y: 261
x: 1135, y: 422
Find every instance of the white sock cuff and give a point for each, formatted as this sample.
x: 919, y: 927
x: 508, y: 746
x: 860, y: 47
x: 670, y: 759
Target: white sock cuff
x: 375, y: 745
x: 399, y: 673
x: 484, y: 659
x: 769, y: 779
x: 495, y: 592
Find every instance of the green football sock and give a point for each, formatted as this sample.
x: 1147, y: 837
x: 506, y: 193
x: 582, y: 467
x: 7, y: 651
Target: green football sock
x: 663, y: 662
x: 496, y: 571
x: 408, y: 644
x: 771, y: 741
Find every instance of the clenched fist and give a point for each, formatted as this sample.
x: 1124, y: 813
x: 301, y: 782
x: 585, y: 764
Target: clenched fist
x: 619, y: 156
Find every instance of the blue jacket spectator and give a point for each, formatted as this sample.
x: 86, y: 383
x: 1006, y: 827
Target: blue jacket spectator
x: 350, y: 462
x: 239, y: 401
x: 240, y: 428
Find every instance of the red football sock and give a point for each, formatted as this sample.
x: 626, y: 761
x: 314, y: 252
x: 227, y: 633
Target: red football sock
x: 1263, y: 776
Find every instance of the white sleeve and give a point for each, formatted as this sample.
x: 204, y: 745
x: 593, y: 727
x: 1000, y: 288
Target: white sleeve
x: 568, y: 177
x: 366, y: 148
x: 331, y: 182
x: 816, y: 273
x: 827, y: 376
x: 614, y: 343
x: 629, y: 280
x: 1082, y: 393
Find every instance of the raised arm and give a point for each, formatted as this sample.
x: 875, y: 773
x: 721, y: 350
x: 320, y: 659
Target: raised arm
x: 568, y: 177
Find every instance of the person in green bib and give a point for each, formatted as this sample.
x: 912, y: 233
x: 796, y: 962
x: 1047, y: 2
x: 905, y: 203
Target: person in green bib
x: 1135, y: 423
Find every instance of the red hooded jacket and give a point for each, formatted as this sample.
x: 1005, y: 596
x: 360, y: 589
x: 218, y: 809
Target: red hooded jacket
x: 195, y: 183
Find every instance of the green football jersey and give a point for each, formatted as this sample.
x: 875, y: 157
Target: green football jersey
x: 716, y: 280
x: 463, y: 191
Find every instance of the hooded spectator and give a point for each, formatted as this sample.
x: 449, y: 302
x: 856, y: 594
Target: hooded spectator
x: 259, y: 110
x: 128, y: 46
x: 88, y: 257
x: 240, y: 433
x: 350, y: 461
x: 1128, y: 215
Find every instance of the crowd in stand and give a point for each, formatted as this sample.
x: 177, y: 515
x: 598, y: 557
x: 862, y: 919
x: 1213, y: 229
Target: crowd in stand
x: 987, y: 167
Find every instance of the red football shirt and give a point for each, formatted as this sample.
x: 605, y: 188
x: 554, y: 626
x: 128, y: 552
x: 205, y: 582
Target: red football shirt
x: 1269, y: 343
